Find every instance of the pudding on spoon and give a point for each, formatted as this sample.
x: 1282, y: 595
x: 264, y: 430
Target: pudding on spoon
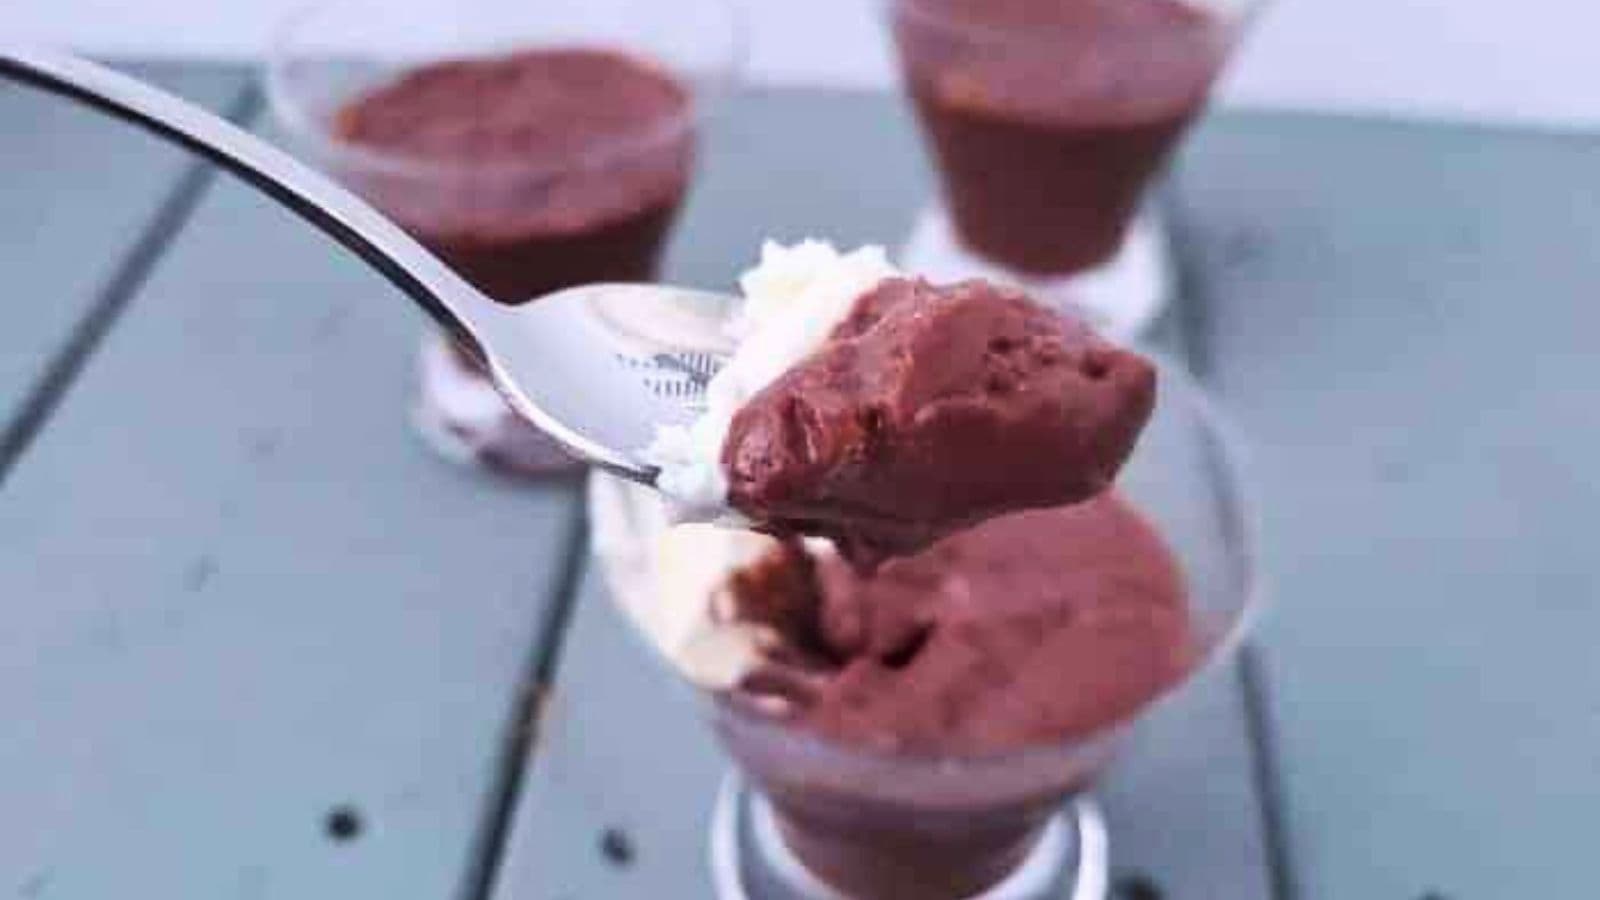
x: 883, y: 412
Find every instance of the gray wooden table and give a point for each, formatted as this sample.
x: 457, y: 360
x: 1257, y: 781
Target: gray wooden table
x: 261, y: 644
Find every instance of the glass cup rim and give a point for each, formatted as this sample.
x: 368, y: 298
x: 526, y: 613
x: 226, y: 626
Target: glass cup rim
x: 1230, y: 461
x: 704, y: 95
x: 1232, y: 14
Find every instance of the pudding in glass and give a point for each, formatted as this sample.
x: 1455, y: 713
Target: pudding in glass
x: 913, y: 726
x: 1047, y: 118
x: 1037, y: 630
x: 531, y: 150
x: 612, y: 130
x: 551, y: 169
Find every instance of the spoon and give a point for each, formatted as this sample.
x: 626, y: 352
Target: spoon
x: 566, y: 362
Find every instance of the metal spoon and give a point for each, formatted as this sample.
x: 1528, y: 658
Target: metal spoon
x: 565, y: 362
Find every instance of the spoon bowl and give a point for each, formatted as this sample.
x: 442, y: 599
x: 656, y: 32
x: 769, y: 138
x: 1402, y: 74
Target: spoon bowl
x: 583, y: 365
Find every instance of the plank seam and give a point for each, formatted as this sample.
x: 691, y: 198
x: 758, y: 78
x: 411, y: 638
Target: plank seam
x: 1266, y: 773
x: 1194, y: 328
x: 1190, y: 304
x: 50, y: 389
x: 522, y: 729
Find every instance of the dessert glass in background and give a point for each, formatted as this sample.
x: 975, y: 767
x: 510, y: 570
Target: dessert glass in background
x: 807, y: 816
x: 532, y: 146
x: 1046, y: 121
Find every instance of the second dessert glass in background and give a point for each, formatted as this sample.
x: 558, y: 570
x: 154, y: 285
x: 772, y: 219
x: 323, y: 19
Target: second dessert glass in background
x: 1046, y: 121
x: 533, y: 147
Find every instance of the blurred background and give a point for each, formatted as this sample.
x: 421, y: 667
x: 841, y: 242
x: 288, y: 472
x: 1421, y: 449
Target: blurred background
x: 1468, y: 59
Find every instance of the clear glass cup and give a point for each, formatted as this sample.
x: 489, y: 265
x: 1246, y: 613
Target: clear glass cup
x: 595, y: 208
x: 1046, y: 121
x: 869, y: 825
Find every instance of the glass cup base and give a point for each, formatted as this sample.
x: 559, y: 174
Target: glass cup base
x: 1121, y: 297
x: 461, y: 417
x: 749, y: 860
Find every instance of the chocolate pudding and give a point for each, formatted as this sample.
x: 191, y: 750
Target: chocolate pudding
x: 929, y: 409
x: 1047, y: 118
x: 1026, y: 633
x: 1030, y: 628
x: 529, y: 172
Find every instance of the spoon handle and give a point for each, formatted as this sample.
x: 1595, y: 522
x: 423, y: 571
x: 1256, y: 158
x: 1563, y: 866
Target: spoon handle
x: 453, y: 303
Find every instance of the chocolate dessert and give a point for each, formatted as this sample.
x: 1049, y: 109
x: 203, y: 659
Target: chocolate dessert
x: 929, y: 409
x: 1027, y: 629
x: 1026, y: 632
x: 529, y: 172
x: 1048, y: 117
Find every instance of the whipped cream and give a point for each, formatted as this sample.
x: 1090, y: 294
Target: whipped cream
x: 793, y: 299
x: 672, y: 581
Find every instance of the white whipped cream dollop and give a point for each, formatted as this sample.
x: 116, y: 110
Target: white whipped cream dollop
x: 792, y: 300
x: 672, y: 581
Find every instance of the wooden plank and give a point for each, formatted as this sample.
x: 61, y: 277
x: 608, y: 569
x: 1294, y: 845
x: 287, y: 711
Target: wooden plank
x: 241, y: 594
x: 623, y: 747
x: 1404, y: 318
x: 77, y: 193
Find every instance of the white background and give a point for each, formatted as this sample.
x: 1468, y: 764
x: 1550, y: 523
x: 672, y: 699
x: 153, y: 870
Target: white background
x: 1488, y: 60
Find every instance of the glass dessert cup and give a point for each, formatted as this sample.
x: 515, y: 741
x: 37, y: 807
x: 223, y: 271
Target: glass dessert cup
x: 831, y: 822
x: 595, y: 208
x: 1045, y: 138
x: 810, y: 817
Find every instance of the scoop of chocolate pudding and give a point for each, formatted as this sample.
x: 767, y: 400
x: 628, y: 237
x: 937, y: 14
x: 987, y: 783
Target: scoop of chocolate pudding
x: 528, y: 172
x: 929, y: 409
x: 1048, y: 117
